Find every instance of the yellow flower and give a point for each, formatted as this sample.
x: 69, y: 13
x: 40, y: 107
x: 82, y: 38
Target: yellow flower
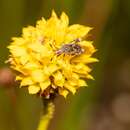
x: 52, y: 57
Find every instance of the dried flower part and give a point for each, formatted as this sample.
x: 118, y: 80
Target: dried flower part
x: 52, y: 58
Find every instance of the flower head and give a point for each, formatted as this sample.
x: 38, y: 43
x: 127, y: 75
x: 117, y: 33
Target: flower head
x: 52, y: 57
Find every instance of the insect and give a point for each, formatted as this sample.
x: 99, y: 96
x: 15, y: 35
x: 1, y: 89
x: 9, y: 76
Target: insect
x: 71, y: 48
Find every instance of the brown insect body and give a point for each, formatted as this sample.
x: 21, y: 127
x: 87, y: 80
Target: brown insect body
x: 70, y: 49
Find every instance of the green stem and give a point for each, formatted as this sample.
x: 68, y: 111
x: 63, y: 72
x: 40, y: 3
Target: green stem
x: 47, y: 115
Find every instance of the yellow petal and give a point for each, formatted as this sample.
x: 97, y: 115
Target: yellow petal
x: 55, y: 29
x: 48, y: 70
x: 64, y: 19
x: 17, y: 50
x: 86, y: 43
x: 72, y: 79
x: 82, y: 83
x: 33, y: 89
x: 84, y: 59
x: 70, y: 87
x: 18, y: 41
x: 63, y: 92
x: 76, y: 31
x: 26, y: 81
x: 75, y: 76
x: 41, y: 27
x: 58, y: 79
x: 41, y: 24
x: 38, y: 75
x: 24, y: 59
x: 81, y: 68
x: 52, y: 68
x: 40, y: 49
x: 91, y: 60
x: 18, y: 78
x: 90, y: 77
x: 88, y: 47
x: 28, y: 32
x: 32, y: 65
x: 53, y: 14
x: 45, y: 84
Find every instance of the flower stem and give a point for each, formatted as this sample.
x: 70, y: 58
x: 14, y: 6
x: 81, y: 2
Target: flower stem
x: 47, y: 114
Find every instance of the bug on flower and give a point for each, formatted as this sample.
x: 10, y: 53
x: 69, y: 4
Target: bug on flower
x: 71, y: 48
x: 49, y: 53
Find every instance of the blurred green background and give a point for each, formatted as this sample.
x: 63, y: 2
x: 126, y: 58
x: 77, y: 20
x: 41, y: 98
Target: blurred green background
x: 105, y: 104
